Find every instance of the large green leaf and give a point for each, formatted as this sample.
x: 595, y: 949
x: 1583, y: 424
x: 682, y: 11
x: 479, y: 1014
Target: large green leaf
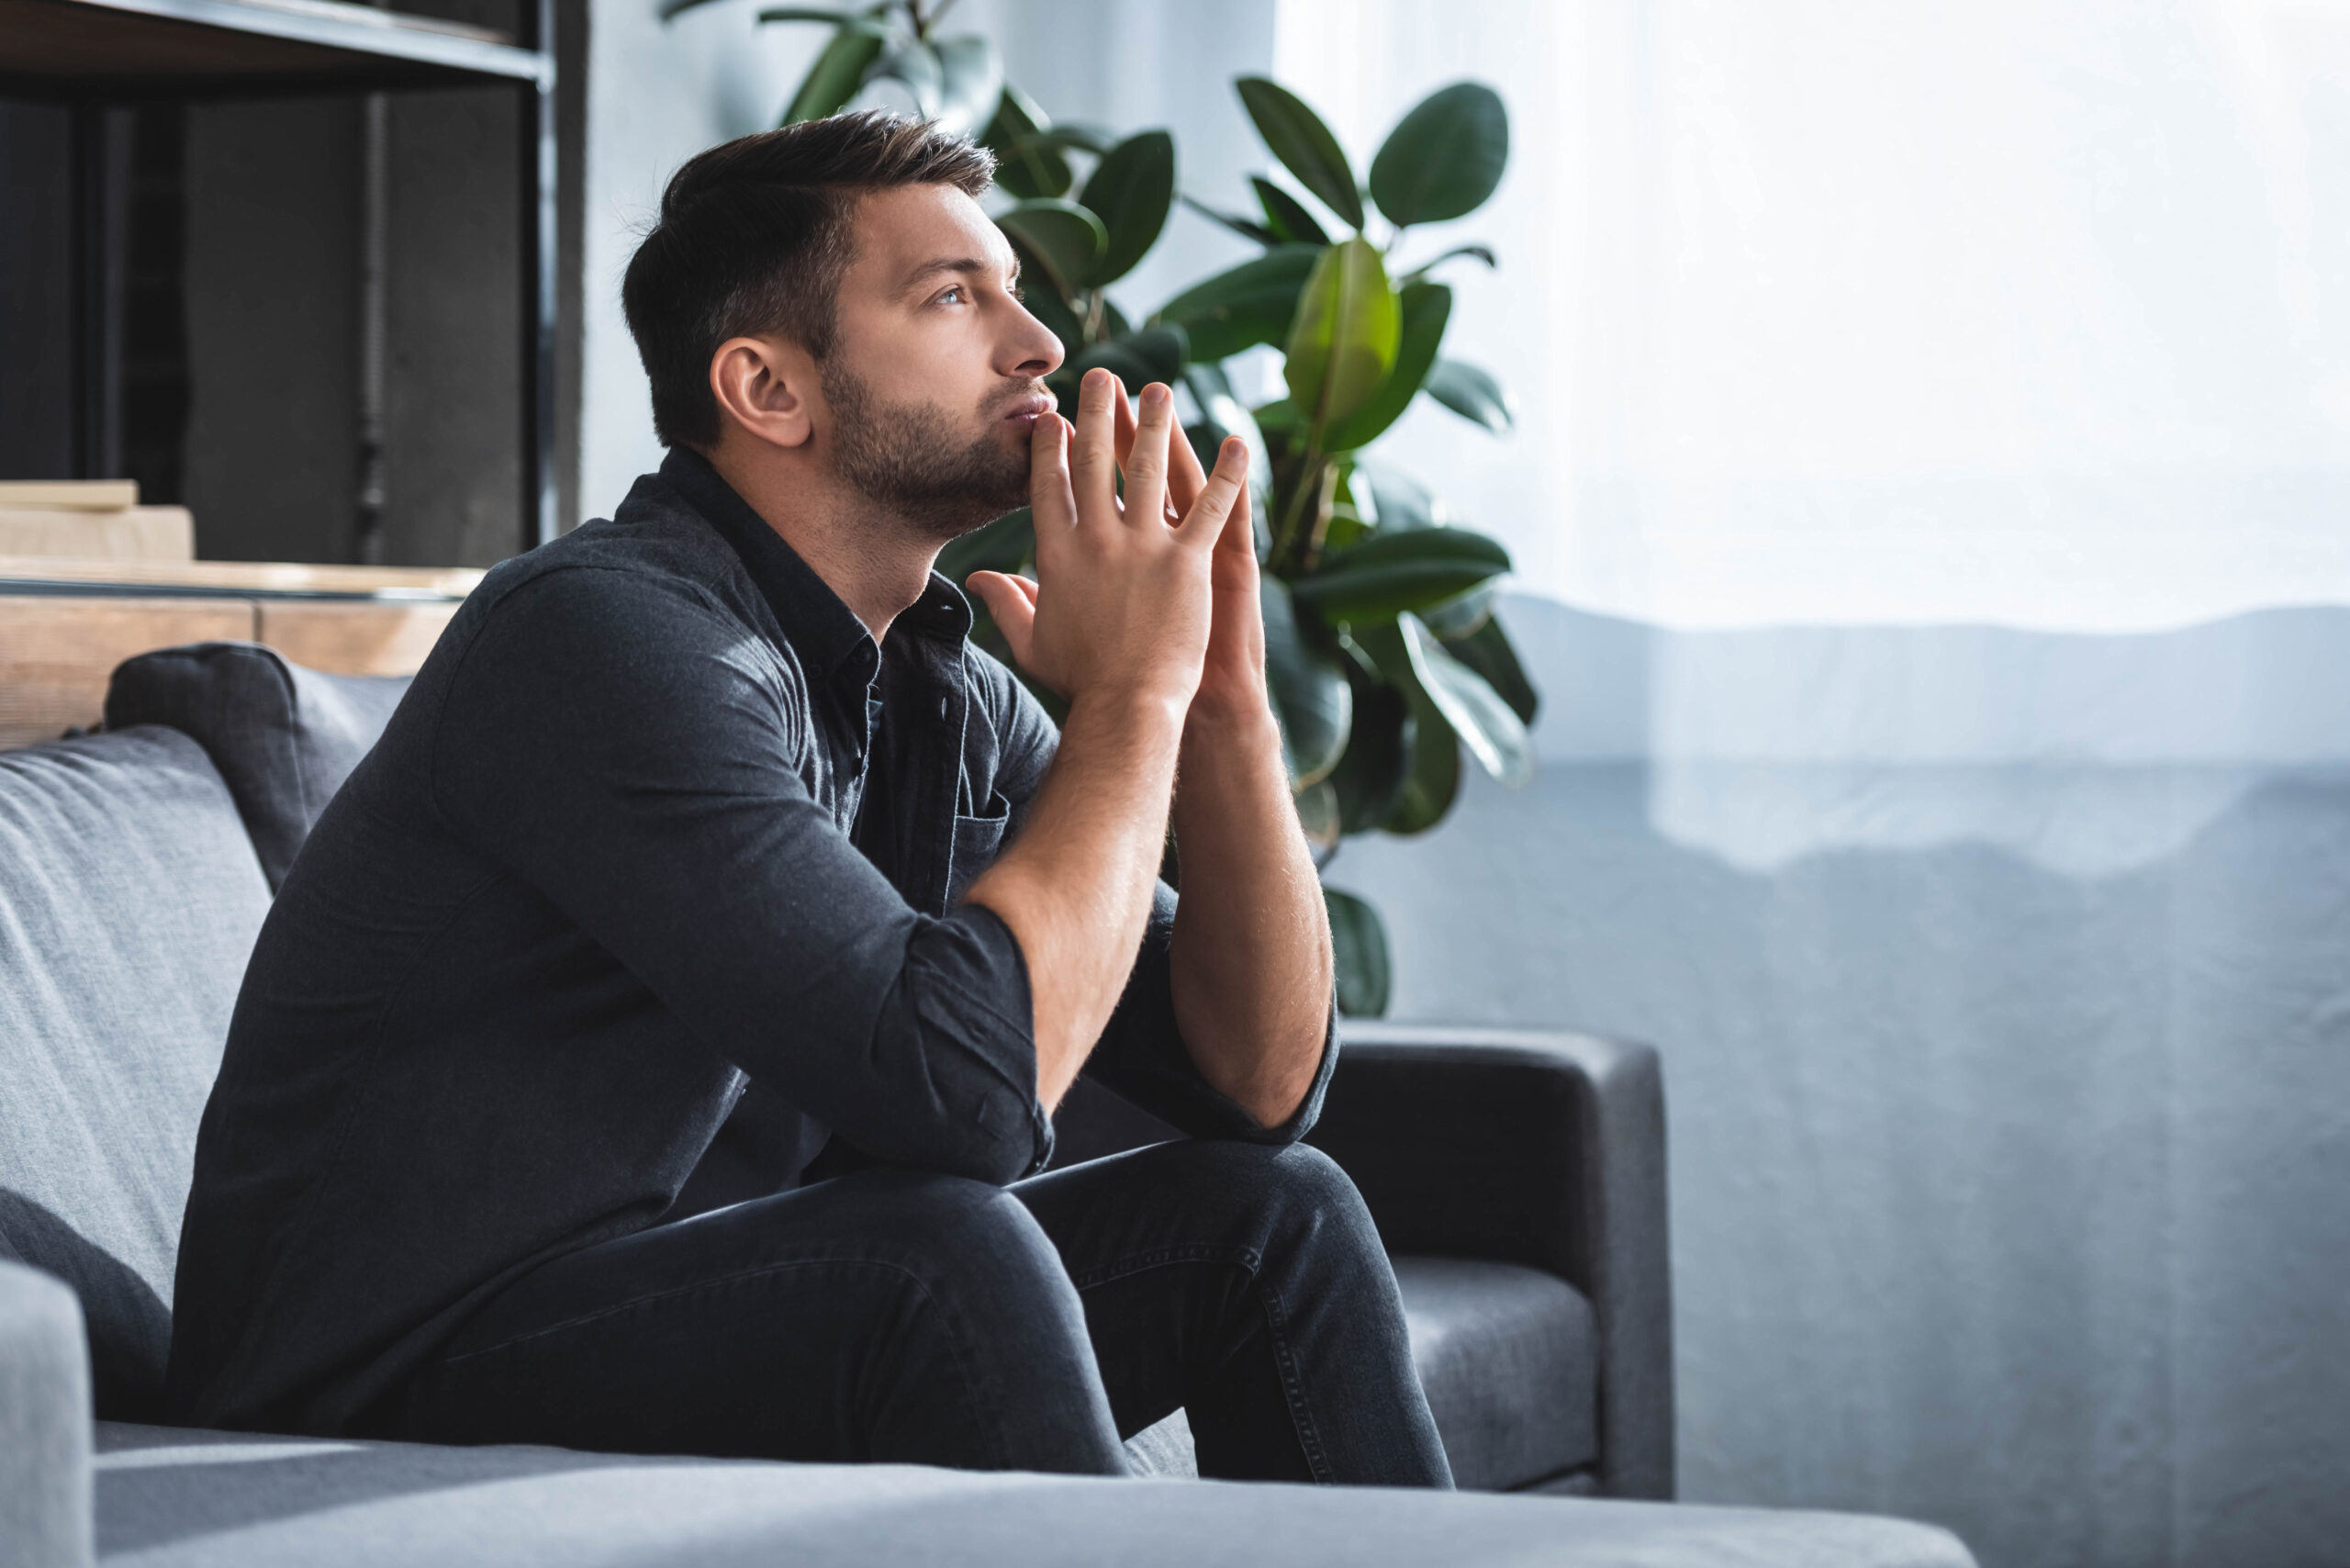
x: 1489, y: 652
x: 1246, y: 227
x: 1457, y: 617
x: 1083, y: 138
x: 1130, y: 190
x: 1025, y: 168
x: 1343, y: 343
x: 915, y: 63
x: 1358, y: 949
x: 1398, y: 500
x: 1425, y: 308
x: 1311, y: 699
x: 1444, y: 158
x: 1065, y: 238
x: 1304, y: 144
x: 1250, y: 304
x: 1474, y: 253
x: 840, y: 70
x: 1489, y: 728
x: 1154, y: 353
x: 1286, y: 215
x: 1472, y: 394
x: 972, y: 90
x: 1224, y: 414
x: 1369, y: 778
x: 1434, y: 777
x: 1391, y: 574
x: 782, y: 12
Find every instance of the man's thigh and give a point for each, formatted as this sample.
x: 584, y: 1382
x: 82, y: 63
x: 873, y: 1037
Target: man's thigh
x: 892, y: 1315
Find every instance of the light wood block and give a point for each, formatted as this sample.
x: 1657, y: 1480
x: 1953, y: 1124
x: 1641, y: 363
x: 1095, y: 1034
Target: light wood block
x: 57, y: 653
x: 450, y: 582
x: 69, y: 495
x: 345, y: 637
x: 132, y: 533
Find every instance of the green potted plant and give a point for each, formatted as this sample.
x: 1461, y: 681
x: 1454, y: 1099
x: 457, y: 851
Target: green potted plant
x: 1386, y: 657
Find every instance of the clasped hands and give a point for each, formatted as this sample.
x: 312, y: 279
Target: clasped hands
x: 1151, y: 597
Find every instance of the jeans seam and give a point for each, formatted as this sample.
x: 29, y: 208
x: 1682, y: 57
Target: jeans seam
x: 1248, y: 1258
x: 1301, y: 1414
x: 1309, y: 1436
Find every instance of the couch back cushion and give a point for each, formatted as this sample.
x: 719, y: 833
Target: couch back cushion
x: 129, y: 899
x: 284, y: 737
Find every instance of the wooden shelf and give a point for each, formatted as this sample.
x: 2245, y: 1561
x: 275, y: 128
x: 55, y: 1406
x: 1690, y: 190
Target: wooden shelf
x: 44, y: 577
x: 65, y: 624
x: 130, y: 48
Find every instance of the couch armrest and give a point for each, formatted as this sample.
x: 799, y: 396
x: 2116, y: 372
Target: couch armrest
x: 46, y: 1501
x: 1531, y: 1147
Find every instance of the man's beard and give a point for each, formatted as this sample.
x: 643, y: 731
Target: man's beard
x: 902, y: 457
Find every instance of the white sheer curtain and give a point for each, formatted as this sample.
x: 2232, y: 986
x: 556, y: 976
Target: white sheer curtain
x: 2029, y: 311
x: 2002, y: 971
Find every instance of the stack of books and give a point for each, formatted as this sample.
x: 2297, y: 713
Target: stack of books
x: 91, y: 520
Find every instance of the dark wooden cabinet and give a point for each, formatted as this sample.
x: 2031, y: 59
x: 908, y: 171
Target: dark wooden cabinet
x: 290, y: 262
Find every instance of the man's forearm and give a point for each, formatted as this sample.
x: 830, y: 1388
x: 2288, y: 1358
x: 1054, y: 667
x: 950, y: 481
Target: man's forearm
x: 1250, y: 964
x: 1075, y: 886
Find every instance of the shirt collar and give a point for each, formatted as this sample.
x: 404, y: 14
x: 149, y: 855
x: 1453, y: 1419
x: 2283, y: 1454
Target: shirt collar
x: 823, y: 629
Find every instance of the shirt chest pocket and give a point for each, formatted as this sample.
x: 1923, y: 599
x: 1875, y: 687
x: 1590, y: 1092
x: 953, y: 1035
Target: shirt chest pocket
x: 977, y: 840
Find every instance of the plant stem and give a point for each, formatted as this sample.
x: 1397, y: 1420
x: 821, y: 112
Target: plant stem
x: 1309, y: 483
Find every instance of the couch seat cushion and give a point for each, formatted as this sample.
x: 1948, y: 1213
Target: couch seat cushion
x: 183, y: 1499
x: 1508, y: 1357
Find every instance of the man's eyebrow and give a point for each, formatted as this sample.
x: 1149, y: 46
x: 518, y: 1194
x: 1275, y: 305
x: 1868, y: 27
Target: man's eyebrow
x: 967, y: 266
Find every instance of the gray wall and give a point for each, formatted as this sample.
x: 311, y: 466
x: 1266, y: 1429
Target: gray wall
x: 2001, y: 984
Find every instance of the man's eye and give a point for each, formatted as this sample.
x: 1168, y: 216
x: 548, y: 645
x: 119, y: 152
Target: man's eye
x: 955, y: 293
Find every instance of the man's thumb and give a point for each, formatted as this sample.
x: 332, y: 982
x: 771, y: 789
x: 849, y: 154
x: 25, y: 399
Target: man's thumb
x: 1014, y: 616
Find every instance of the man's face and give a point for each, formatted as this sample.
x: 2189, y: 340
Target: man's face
x: 936, y: 376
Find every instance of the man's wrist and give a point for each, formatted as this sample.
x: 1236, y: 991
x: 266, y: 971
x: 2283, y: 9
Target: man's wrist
x: 1227, y: 717
x: 1152, y: 709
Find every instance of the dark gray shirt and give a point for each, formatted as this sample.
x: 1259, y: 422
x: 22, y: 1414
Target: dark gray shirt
x: 648, y: 898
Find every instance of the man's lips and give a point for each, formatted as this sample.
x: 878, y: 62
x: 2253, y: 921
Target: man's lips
x: 1027, y: 411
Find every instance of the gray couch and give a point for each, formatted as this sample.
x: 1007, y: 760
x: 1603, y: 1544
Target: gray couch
x: 1517, y: 1178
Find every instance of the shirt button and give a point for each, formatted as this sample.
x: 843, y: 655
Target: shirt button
x: 942, y: 707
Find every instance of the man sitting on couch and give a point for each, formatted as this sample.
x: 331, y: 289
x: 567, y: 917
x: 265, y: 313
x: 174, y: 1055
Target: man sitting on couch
x: 653, y: 1045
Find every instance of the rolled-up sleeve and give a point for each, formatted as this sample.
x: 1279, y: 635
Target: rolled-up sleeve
x: 1141, y: 1056
x: 635, y: 760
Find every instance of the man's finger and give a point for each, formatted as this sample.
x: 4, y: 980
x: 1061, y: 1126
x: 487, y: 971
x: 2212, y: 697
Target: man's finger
x: 1146, y: 465
x: 1240, y: 533
x: 1204, y: 523
x: 1049, y: 494
x: 1125, y: 409
x: 1012, y: 603
x: 1094, y: 462
x: 1184, y: 478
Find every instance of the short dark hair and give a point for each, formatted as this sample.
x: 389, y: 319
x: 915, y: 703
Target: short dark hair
x: 753, y: 237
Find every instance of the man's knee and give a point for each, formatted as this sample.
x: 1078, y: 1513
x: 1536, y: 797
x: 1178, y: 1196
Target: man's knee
x: 976, y: 1250
x: 1287, y: 1189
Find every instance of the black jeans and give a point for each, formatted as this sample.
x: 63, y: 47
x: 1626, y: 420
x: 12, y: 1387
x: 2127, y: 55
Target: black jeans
x: 899, y: 1314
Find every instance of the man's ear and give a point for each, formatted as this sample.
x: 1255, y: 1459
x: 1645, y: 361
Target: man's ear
x: 764, y: 385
